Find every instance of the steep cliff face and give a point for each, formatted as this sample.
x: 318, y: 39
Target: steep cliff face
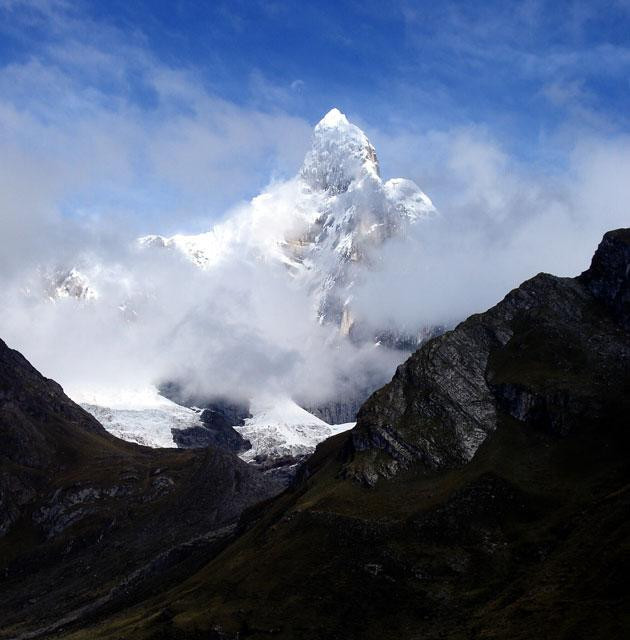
x: 346, y: 212
x: 608, y: 278
x: 444, y: 401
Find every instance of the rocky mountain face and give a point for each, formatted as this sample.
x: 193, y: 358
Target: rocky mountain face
x: 215, y: 431
x: 482, y: 494
x: 338, y: 411
x: 445, y: 400
x: 216, y: 421
x: 350, y: 212
x: 87, y: 519
x: 608, y: 278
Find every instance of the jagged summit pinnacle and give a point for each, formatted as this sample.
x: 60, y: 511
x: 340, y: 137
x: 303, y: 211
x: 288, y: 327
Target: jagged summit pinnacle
x: 333, y: 118
x: 340, y: 155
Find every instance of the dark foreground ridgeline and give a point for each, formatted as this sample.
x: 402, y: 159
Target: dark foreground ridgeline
x: 484, y: 493
x: 89, y: 522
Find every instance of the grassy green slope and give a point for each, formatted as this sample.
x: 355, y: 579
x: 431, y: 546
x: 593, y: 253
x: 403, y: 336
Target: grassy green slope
x: 529, y: 540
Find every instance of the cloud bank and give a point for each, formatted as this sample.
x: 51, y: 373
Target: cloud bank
x: 501, y: 223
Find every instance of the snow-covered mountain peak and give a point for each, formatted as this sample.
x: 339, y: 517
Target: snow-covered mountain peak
x: 340, y: 155
x: 70, y: 283
x: 334, y: 118
x: 333, y: 217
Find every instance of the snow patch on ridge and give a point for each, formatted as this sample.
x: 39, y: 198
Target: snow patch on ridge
x: 139, y: 415
x: 279, y: 427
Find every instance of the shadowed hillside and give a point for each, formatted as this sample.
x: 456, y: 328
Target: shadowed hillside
x: 483, y: 493
x: 86, y: 519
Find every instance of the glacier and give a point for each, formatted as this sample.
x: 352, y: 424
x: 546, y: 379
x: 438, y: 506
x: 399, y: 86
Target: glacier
x: 280, y: 427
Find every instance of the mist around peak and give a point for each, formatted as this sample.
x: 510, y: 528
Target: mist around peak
x: 288, y: 276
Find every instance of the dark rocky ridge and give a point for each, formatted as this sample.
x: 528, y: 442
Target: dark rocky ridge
x: 217, y: 431
x: 219, y: 416
x: 444, y: 400
x: 608, y: 277
x: 491, y: 501
x: 81, y: 511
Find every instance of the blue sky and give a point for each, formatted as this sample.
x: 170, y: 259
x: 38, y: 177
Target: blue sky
x: 523, y: 66
x: 195, y: 106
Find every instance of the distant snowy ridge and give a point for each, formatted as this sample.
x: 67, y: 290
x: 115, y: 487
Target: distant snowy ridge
x: 204, y: 249
x: 279, y: 427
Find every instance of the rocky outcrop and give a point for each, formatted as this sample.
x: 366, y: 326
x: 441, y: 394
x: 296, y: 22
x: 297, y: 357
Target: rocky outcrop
x: 218, y: 418
x: 445, y: 400
x: 217, y: 430
x: 608, y: 277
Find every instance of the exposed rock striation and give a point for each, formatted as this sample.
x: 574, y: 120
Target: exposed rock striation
x: 445, y: 399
